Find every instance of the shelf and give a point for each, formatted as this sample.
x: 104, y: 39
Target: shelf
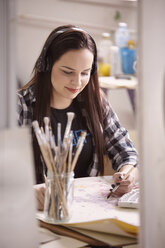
x: 114, y: 83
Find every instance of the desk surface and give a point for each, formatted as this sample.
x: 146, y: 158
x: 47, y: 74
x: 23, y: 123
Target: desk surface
x: 90, y: 197
x: 114, y: 83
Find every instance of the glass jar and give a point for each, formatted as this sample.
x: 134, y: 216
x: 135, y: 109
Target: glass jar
x: 59, y: 196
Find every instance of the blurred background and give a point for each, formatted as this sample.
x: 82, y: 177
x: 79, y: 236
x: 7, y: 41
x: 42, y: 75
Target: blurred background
x: 36, y: 19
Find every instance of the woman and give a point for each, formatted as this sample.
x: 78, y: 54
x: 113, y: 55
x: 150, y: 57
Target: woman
x: 65, y: 80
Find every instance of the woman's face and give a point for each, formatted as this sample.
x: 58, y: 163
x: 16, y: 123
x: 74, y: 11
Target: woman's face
x: 69, y: 75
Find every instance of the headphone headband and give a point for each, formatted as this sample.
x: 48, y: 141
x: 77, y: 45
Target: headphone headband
x: 43, y: 63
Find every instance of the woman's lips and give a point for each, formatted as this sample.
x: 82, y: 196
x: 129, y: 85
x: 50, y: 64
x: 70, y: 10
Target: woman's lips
x: 72, y: 90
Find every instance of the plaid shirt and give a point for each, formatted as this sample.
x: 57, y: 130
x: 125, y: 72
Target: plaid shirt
x: 119, y: 147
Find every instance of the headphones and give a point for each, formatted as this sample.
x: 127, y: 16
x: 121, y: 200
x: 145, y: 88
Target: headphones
x: 44, y: 64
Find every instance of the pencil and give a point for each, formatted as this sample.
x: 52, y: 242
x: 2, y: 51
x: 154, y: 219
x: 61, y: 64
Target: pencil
x: 125, y: 177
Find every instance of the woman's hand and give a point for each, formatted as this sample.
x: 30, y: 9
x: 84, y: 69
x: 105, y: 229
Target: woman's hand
x: 125, y: 185
x: 40, y: 195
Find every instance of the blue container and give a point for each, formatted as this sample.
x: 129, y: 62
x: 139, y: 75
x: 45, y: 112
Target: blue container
x: 128, y: 57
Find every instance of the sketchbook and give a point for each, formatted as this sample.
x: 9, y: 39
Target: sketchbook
x: 92, y: 210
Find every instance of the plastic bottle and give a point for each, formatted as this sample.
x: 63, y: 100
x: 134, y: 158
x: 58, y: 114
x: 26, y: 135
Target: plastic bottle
x: 128, y: 57
x: 104, y: 55
x: 122, y: 35
x: 127, y: 48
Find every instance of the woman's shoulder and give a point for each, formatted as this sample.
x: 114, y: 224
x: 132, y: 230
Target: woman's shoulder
x: 25, y: 99
x: 27, y: 94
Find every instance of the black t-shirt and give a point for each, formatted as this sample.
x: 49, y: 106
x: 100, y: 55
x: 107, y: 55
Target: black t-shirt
x: 78, y: 125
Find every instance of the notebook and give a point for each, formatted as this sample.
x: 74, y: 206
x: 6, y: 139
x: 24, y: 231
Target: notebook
x: 130, y: 199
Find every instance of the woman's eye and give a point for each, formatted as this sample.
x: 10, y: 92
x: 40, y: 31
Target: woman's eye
x: 68, y: 72
x: 85, y: 73
x: 71, y: 73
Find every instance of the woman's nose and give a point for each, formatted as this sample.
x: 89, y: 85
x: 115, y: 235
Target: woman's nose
x: 76, y: 80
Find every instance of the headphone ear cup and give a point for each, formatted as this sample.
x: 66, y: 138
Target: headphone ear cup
x: 48, y: 64
x: 39, y: 64
x: 44, y: 61
x: 43, y: 64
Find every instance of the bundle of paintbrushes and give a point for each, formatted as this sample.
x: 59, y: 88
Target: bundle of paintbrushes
x: 60, y: 164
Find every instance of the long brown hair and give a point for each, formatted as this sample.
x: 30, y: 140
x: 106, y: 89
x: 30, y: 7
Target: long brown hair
x: 60, y: 41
